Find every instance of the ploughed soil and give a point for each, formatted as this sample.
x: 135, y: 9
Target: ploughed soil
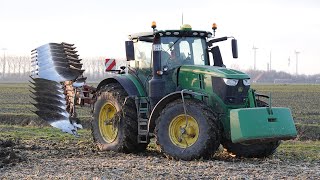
x: 42, y: 158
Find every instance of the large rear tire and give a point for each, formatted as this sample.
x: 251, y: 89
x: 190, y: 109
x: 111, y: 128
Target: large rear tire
x: 196, y: 137
x: 115, y: 124
x: 258, y: 150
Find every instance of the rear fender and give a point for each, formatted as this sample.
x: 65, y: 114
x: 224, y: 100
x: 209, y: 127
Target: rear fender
x: 128, y: 82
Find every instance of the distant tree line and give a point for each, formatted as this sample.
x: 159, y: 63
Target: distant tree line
x: 281, y: 77
x: 14, y: 67
x: 17, y: 69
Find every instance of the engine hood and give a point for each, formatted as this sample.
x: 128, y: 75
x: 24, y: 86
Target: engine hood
x: 214, y: 71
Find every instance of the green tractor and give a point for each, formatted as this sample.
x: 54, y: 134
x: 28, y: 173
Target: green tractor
x: 172, y: 91
x: 175, y: 88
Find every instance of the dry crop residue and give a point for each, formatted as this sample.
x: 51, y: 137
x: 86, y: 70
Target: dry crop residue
x: 42, y: 158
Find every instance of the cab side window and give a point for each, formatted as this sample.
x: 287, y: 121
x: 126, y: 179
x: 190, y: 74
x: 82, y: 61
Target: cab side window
x: 143, y: 52
x: 184, y: 49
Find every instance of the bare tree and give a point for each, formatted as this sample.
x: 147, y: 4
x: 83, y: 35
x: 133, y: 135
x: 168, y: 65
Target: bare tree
x: 4, y: 63
x: 19, y: 66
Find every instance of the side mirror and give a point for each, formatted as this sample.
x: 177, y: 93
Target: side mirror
x: 129, y: 50
x: 234, y: 46
x: 217, y: 58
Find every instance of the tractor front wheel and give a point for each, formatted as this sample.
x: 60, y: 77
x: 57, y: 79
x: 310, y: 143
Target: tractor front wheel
x: 258, y: 150
x: 187, y: 136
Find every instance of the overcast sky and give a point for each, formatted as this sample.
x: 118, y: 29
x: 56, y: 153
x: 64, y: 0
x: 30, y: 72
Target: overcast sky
x: 100, y: 27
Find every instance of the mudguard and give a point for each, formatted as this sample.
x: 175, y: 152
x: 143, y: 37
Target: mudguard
x: 249, y: 125
x: 130, y: 83
x: 163, y: 102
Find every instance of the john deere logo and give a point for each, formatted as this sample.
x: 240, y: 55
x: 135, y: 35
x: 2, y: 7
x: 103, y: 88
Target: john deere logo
x: 240, y: 89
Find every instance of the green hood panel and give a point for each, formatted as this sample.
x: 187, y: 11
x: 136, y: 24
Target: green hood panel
x: 214, y: 71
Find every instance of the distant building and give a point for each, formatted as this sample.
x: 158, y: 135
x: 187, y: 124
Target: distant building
x: 283, y: 81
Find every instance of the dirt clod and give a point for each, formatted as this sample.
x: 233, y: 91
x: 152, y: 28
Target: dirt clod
x: 9, y: 155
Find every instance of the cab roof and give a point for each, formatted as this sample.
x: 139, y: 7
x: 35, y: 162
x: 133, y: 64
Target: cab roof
x: 148, y: 36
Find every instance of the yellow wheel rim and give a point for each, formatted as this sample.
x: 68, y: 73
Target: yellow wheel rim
x: 107, y: 125
x: 183, y: 132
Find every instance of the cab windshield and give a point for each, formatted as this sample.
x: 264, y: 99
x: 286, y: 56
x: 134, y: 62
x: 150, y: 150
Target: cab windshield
x: 177, y: 51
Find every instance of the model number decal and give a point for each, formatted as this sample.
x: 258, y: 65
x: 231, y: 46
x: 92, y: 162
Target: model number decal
x: 157, y: 47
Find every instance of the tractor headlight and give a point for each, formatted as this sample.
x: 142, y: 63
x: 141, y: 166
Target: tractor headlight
x: 231, y: 82
x: 246, y: 82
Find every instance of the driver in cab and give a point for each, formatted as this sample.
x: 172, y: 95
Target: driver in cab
x: 174, y: 59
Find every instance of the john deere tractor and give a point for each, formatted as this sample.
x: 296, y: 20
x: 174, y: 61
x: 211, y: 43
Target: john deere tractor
x: 177, y: 89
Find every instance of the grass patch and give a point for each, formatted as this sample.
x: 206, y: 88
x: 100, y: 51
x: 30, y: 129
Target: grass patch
x: 36, y: 133
x: 300, y: 150
x: 308, y: 131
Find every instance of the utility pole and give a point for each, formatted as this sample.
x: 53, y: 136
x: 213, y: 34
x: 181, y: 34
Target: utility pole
x: 270, y: 62
x: 254, y: 56
x: 4, y: 61
x: 182, y: 19
x: 297, y: 53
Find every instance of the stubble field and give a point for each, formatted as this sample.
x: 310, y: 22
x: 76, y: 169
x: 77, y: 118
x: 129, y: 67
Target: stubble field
x: 31, y: 150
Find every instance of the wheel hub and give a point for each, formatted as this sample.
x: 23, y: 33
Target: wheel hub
x: 107, y: 123
x: 183, y: 131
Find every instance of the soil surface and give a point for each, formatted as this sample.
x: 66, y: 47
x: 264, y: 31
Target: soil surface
x: 42, y: 158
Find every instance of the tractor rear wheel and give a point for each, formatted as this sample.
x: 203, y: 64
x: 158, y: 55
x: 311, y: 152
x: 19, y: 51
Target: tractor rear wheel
x: 190, y: 136
x: 115, y: 124
x: 258, y: 150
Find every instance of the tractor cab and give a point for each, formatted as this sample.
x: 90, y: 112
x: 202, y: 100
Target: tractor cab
x: 159, y: 55
x: 178, y: 47
x: 165, y: 51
